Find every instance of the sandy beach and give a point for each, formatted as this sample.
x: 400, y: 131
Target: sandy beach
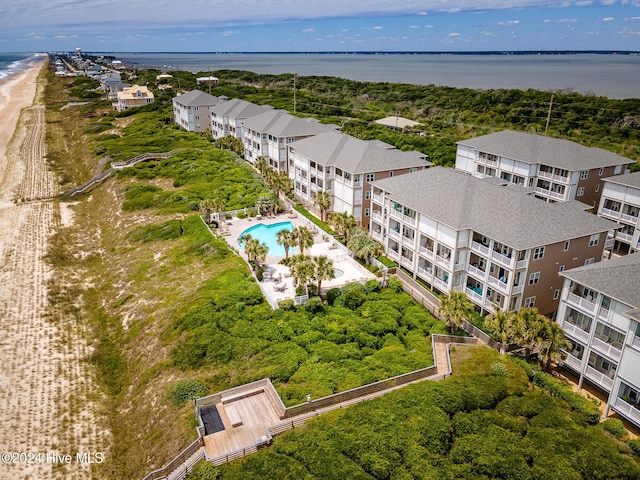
x: 44, y: 380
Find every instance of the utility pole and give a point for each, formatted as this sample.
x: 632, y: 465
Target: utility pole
x: 546, y: 129
x: 295, y: 76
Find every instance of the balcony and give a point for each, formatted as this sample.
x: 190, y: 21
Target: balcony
x: 405, y: 262
x: 376, y: 197
x: 440, y: 284
x: 497, y: 284
x: 357, y: 184
x: 425, y: 252
x: 393, y: 255
x: 626, y: 410
x: 609, y: 243
x: 573, y: 362
x: 636, y: 342
x: 409, y: 242
x: 624, y: 237
x: 476, y: 272
x: 603, y: 314
x: 542, y: 191
x: 607, y: 349
x: 582, y: 303
x: 409, y: 220
x: 377, y: 216
x: 479, y: 248
x: 487, y: 161
x: 394, y: 234
x: 545, y: 175
x: 503, y: 260
x: 473, y: 295
x: 445, y: 262
x: 517, y: 289
x: 377, y: 236
x: 629, y: 219
x: 556, y: 195
x: 599, y: 378
x: 575, y: 331
x: 607, y: 212
x: 395, y: 214
x: 522, y: 264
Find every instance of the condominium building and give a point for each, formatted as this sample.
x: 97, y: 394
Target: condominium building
x: 344, y: 167
x: 503, y: 248
x: 268, y: 134
x: 191, y: 110
x: 600, y: 314
x: 620, y: 202
x: 553, y: 169
x: 134, y: 96
x: 227, y: 117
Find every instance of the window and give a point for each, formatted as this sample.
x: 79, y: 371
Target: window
x: 561, y: 269
x: 534, y: 278
x: 411, y: 170
x: 529, y: 302
x: 580, y: 192
x: 584, y: 174
x: 601, y: 171
x: 390, y: 174
x: 589, y: 261
x: 367, y: 195
x: 538, y: 253
x: 369, y: 178
x: 556, y: 294
x: 566, y: 245
x: 597, y: 188
x: 197, y: 117
x: 367, y: 211
x: 195, y: 108
x: 594, y: 239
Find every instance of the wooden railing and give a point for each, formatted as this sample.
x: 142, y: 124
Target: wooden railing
x: 186, y: 459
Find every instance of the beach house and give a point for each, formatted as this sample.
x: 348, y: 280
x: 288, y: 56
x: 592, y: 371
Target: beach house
x: 620, y: 202
x: 502, y: 247
x: 599, y: 313
x: 227, y: 117
x: 344, y: 167
x: 133, y: 96
x: 552, y: 169
x: 191, y: 110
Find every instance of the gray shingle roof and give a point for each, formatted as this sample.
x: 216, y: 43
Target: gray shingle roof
x: 355, y: 155
x: 556, y: 152
x: 617, y: 278
x: 628, y: 179
x: 196, y: 98
x: 462, y: 201
x: 237, y: 108
x: 279, y: 123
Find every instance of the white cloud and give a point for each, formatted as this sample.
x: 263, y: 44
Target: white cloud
x: 376, y: 28
x: 585, y: 3
x: 308, y: 30
x: 453, y: 34
x: 509, y: 23
x: 608, y: 19
x: 413, y: 27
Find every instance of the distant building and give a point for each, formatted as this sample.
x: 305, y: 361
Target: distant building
x: 600, y: 314
x: 134, y: 96
x: 556, y: 170
x: 191, y: 110
x: 502, y: 247
x: 268, y: 134
x: 227, y: 117
x: 396, y: 123
x: 620, y: 201
x: 207, y: 80
x: 344, y: 167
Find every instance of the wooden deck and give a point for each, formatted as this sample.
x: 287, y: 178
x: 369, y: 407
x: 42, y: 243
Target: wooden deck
x: 255, y: 412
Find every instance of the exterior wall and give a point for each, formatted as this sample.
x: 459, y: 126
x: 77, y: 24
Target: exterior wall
x: 625, y: 212
x: 593, y: 184
x: 549, y: 266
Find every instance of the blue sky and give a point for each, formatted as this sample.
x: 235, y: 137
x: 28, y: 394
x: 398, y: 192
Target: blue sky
x: 312, y: 25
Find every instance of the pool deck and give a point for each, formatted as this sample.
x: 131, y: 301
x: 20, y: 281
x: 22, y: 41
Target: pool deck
x: 278, y: 283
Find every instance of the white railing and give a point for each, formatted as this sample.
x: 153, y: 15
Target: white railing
x: 517, y: 289
x: 445, y: 262
x: 521, y: 264
x: 560, y: 178
x: 575, y: 331
x: 425, y: 252
x: 489, y: 305
x: 629, y: 218
x: 377, y: 197
x: 475, y: 296
x: 582, y: 303
x: 376, y: 236
x: 425, y: 271
x: 395, y: 214
x: 357, y: 183
x: 476, y: 272
x: 629, y: 411
x: 376, y: 215
x: 606, y: 349
x: 610, y: 242
x: 547, y: 175
x: 504, y: 260
x: 556, y: 195
x: 573, y: 362
x: 477, y: 247
x: 406, y: 263
x: 409, y: 220
x: 598, y: 377
x: 409, y: 242
x: 625, y: 237
x: 394, y: 234
x: 543, y: 191
x: 636, y: 341
x: 607, y: 212
x: 442, y: 285
x: 459, y: 266
x: 503, y: 287
x: 393, y: 254
x: 603, y: 314
x: 487, y: 161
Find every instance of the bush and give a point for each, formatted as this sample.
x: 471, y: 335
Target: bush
x: 635, y: 446
x: 287, y: 305
x: 183, y: 390
x: 394, y: 284
x: 314, y: 305
x: 332, y: 295
x: 372, y: 286
x: 615, y: 427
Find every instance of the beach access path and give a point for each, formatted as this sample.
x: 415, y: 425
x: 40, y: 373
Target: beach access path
x: 46, y: 385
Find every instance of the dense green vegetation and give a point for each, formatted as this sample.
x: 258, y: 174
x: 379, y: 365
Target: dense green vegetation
x: 484, y: 422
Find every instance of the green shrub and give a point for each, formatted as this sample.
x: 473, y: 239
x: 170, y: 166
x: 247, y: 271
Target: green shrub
x: 371, y: 286
x: 287, y: 305
x: 332, y: 295
x: 635, y: 446
x: 314, y: 305
x: 615, y: 427
x: 184, y: 390
x: 394, y: 284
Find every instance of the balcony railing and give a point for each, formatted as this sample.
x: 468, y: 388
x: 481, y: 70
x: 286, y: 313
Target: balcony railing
x: 445, y: 262
x: 636, y: 341
x: 521, y: 264
x: 357, y: 184
x: 377, y: 216
x: 393, y: 254
x: 627, y: 410
x: 405, y: 262
x: 425, y: 252
x: 582, y: 303
x: 625, y: 237
x: 377, y: 198
x: 503, y: 260
x: 573, y: 362
x: 395, y: 214
x: 599, y: 378
x: 556, y: 195
x: 409, y: 242
x: 377, y: 236
x: 409, y: 220
x: 547, y: 175
x: 501, y: 286
x: 603, y: 314
x: 543, y: 191
x: 479, y: 248
x: 607, y: 212
x: 473, y: 295
x: 629, y: 219
x: 394, y: 234
x: 476, y: 272
x: 442, y: 285
x: 606, y: 348
x: 610, y: 242
x: 575, y: 331
x: 517, y: 289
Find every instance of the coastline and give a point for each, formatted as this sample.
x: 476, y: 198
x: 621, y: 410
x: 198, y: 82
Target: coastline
x: 16, y: 92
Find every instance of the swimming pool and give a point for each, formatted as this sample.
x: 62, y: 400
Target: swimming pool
x: 267, y: 234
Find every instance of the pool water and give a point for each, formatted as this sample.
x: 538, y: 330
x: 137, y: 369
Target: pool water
x: 337, y: 272
x: 267, y: 234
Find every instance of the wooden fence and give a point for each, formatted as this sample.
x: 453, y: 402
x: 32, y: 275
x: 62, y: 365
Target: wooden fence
x: 185, y: 460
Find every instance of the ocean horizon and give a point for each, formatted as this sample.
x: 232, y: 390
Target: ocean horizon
x: 612, y: 74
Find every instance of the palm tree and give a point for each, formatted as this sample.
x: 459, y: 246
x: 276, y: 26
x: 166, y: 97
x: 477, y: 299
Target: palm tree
x: 552, y: 345
x: 454, y: 308
x: 302, y: 269
x: 343, y: 223
x: 363, y: 247
x: 266, y: 204
x: 500, y: 324
x: 280, y: 183
x: 261, y: 165
x: 323, y: 202
x: 526, y: 328
x: 304, y: 238
x: 254, y: 250
x: 287, y: 239
x: 323, y: 270
x: 207, y: 206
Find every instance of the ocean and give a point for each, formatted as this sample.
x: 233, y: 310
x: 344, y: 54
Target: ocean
x: 609, y: 75
x: 11, y: 63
